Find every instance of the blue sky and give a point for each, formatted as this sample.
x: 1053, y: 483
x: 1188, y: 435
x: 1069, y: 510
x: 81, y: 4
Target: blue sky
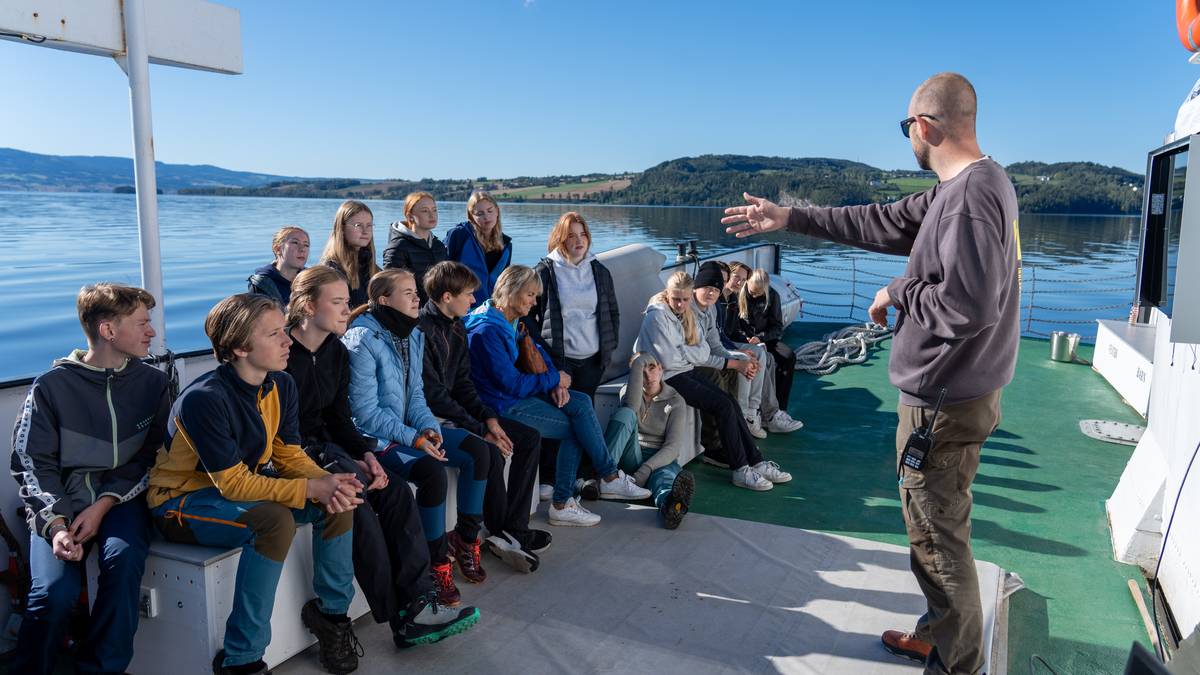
x: 533, y: 87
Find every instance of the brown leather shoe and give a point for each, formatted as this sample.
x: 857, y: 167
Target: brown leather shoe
x: 906, y: 645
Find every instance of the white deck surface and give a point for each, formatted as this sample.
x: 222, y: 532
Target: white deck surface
x: 717, y: 595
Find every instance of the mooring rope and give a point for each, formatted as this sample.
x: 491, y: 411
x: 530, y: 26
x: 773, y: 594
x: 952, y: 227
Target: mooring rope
x: 850, y: 345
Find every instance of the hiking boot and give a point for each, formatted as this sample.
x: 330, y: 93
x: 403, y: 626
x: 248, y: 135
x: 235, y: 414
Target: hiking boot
x: 772, y: 472
x: 675, y: 505
x: 259, y: 667
x: 572, y: 515
x: 443, y: 584
x: 905, y: 645
x: 426, y: 622
x: 747, y: 477
x: 339, y: 647
x: 622, y: 487
x: 509, y: 550
x: 466, y: 554
x: 782, y: 423
x: 754, y: 423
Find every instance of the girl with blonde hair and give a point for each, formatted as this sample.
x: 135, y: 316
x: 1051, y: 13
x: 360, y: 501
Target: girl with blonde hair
x: 351, y: 248
x: 670, y: 334
x: 760, y: 314
x: 411, y: 245
x: 480, y: 243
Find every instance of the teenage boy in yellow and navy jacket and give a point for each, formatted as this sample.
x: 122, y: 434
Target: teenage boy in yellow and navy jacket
x: 233, y: 474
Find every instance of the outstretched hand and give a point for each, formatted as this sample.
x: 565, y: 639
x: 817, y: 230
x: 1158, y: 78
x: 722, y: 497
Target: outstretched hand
x: 758, y: 217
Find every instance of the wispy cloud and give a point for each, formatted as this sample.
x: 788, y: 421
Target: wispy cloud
x: 528, y: 3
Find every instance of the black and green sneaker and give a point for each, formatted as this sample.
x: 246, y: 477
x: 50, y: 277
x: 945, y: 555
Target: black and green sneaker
x: 426, y: 622
x: 677, y: 502
x: 339, y: 646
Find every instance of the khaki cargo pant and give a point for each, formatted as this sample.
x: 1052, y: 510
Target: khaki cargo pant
x: 937, y: 514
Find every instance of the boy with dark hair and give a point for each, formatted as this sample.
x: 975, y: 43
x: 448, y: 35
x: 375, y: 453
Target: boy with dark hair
x: 451, y: 396
x: 82, y: 444
x: 233, y: 474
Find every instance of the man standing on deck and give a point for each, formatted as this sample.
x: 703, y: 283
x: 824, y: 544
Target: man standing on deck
x: 957, y: 328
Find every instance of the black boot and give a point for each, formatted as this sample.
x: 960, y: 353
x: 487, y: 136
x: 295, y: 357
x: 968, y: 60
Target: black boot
x: 677, y: 502
x: 339, y: 647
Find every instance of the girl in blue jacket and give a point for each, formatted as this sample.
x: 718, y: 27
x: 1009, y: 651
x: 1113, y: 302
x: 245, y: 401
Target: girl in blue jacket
x: 387, y: 403
x: 480, y: 243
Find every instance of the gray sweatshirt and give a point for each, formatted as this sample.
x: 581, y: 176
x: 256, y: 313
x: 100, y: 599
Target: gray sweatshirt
x: 662, y: 422
x: 661, y: 335
x: 958, y: 323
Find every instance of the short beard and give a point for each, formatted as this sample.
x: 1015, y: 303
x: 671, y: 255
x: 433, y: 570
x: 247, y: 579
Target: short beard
x: 921, y: 152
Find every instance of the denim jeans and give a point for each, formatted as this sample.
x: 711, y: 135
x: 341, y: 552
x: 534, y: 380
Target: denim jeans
x: 264, y: 530
x: 575, y: 425
x: 124, y: 539
x: 629, y: 455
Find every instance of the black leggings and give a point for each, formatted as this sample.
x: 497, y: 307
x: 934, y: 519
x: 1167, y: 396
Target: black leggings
x: 429, y: 475
x: 785, y: 367
x: 703, y: 395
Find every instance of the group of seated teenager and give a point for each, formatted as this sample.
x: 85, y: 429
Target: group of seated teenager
x: 340, y: 385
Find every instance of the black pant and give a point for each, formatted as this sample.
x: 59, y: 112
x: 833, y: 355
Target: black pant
x: 387, y: 528
x: 785, y: 368
x: 506, y: 506
x: 586, y: 374
x: 705, y: 396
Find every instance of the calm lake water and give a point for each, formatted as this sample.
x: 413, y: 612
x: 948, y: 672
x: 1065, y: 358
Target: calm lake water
x: 53, y: 243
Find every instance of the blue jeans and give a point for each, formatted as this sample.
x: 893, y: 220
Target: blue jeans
x: 124, y: 539
x: 622, y: 440
x: 264, y: 530
x: 464, y: 451
x: 575, y: 425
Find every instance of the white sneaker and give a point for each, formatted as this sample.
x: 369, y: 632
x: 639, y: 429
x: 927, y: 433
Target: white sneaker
x: 622, y: 487
x: 545, y: 492
x: 571, y: 515
x: 755, y: 425
x: 772, y: 472
x: 782, y: 423
x: 748, y: 478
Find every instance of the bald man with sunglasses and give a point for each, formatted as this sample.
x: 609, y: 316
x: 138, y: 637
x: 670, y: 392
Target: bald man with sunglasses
x: 957, y: 331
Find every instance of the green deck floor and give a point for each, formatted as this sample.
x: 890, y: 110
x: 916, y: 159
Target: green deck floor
x: 1039, y: 495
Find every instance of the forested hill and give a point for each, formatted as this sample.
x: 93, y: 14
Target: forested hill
x: 714, y: 180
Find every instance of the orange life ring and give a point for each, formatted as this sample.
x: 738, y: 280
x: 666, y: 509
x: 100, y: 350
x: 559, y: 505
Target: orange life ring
x: 1187, y: 20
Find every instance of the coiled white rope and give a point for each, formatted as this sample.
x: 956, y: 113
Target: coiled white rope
x: 850, y: 345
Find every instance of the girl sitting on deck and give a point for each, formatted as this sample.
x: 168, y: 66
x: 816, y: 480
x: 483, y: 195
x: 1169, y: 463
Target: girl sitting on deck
x: 387, y: 402
x: 290, y: 246
x: 480, y: 243
x: 391, y: 560
x: 669, y: 332
x: 518, y: 380
x: 646, y: 434
x: 760, y: 314
x: 351, y: 248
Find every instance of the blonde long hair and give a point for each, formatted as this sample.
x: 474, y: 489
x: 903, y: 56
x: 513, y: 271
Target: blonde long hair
x: 339, y: 252
x: 681, y: 281
x: 760, y: 280
x: 494, y: 241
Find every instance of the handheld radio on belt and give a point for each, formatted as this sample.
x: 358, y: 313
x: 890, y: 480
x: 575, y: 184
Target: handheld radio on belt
x: 920, y: 441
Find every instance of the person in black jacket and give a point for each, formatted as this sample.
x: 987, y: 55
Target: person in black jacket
x: 290, y: 246
x: 84, y: 440
x: 391, y: 560
x: 451, y: 395
x: 411, y: 244
x: 576, y: 316
x: 760, y: 314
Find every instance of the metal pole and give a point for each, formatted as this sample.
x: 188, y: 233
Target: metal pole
x: 137, y: 66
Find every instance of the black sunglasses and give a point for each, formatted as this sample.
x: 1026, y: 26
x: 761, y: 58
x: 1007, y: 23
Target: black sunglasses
x: 905, y: 124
